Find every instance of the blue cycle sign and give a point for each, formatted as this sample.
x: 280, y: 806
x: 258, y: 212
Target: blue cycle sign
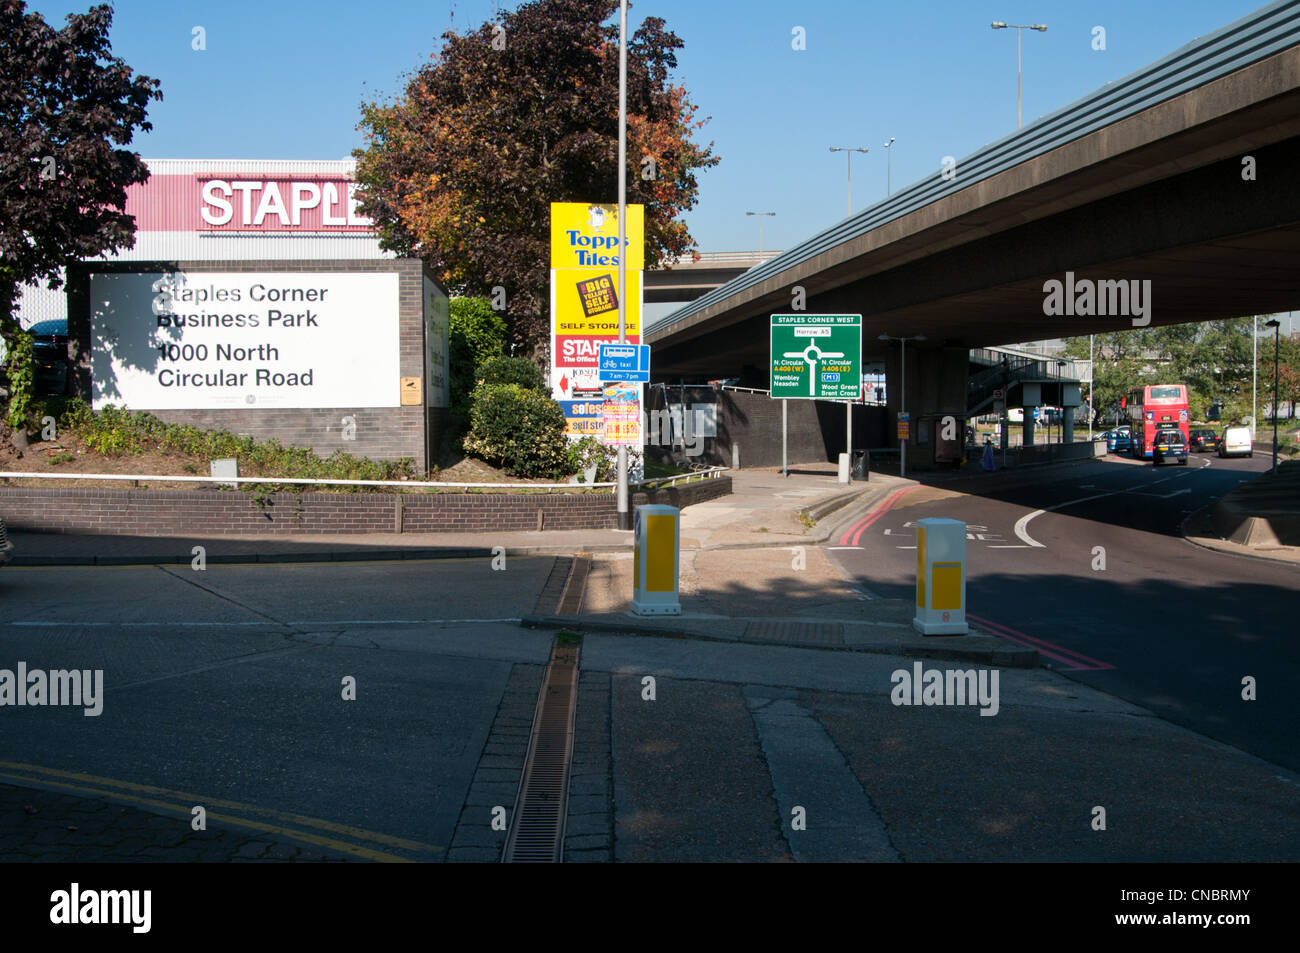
x: 816, y: 356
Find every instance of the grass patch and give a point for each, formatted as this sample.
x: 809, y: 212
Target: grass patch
x: 568, y: 638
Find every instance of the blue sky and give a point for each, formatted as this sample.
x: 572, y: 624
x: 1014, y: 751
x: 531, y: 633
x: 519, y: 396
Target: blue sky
x: 284, y: 78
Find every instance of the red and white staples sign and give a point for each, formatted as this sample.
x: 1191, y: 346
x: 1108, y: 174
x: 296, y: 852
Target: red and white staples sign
x: 244, y: 202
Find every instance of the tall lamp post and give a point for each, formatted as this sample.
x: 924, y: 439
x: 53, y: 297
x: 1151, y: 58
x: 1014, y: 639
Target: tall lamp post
x: 902, y: 391
x: 1041, y: 28
x: 849, y: 150
x: 1254, y: 378
x: 760, y: 226
x: 621, y: 507
x: 1276, y: 325
x: 889, y: 164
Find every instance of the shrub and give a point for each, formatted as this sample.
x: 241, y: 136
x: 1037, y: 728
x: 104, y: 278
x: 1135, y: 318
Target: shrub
x: 519, y: 430
x: 476, y: 334
x: 589, y: 451
x: 511, y: 370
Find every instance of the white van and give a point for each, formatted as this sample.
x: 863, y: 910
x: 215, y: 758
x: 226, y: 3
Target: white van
x: 1235, y: 442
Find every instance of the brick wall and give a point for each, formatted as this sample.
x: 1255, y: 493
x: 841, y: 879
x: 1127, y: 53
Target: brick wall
x: 382, y: 433
x: 218, y: 512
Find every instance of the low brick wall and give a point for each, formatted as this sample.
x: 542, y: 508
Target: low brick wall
x: 229, y: 513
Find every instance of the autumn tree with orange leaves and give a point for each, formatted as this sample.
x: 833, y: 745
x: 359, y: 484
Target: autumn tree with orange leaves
x: 461, y: 169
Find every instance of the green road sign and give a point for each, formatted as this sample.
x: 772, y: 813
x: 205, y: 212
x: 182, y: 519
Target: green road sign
x: 817, y: 356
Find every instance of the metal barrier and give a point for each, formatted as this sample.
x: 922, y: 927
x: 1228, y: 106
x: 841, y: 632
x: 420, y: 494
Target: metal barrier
x: 163, y: 478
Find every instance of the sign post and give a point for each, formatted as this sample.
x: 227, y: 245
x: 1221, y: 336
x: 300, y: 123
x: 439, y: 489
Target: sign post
x: 816, y: 357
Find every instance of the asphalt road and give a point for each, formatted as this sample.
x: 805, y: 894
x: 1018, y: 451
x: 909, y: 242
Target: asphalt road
x: 1160, y: 622
x: 225, y: 687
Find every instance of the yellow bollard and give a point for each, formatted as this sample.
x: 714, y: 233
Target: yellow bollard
x: 655, y: 540
x: 940, y: 577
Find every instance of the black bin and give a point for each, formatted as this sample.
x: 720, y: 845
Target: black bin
x: 861, y: 465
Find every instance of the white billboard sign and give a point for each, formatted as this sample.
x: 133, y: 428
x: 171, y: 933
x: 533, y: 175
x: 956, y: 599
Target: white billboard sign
x: 208, y: 340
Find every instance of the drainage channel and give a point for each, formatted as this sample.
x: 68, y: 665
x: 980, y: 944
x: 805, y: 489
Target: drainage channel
x: 537, y: 823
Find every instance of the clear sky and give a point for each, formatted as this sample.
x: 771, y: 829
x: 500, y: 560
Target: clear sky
x: 284, y: 79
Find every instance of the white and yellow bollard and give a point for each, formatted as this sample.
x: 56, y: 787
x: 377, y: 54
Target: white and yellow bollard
x: 940, y: 577
x: 655, y: 540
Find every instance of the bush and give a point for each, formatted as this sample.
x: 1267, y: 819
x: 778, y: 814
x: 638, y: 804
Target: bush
x: 476, y: 334
x: 511, y: 370
x: 519, y: 430
x: 589, y: 451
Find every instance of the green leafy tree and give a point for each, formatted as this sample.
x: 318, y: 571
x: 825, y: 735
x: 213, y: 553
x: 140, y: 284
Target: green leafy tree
x: 461, y: 169
x: 476, y: 335
x: 66, y: 105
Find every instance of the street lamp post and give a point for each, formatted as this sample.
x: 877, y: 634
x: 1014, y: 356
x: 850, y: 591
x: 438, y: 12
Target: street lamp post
x: 1041, y: 28
x: 1254, y: 378
x: 760, y: 226
x: 889, y: 163
x: 902, y: 392
x: 1276, y: 325
x: 849, y: 156
x: 1092, y: 382
x: 621, y: 507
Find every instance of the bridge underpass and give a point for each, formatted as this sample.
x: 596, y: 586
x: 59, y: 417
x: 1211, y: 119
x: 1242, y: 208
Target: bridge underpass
x: 1146, y: 180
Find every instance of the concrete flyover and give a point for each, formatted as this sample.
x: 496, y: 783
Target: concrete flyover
x: 1142, y: 180
x: 690, y: 276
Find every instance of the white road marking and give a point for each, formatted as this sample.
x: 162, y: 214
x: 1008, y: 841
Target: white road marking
x: 1023, y: 522
x: 1013, y: 546
x: 846, y: 547
x: 905, y: 547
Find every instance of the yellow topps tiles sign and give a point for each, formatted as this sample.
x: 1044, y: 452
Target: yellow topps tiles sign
x: 584, y: 235
x: 586, y: 302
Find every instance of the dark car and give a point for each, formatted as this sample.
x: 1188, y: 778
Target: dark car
x: 50, y: 355
x: 1203, y: 441
x: 1120, y: 440
x: 1169, y: 445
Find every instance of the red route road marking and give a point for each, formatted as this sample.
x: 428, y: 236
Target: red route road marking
x: 857, y: 529
x: 1050, y: 649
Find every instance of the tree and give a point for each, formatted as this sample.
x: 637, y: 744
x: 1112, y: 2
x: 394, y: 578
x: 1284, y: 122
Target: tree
x: 476, y: 335
x: 65, y: 102
x: 462, y: 168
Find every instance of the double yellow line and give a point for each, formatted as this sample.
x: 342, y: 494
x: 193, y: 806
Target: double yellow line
x: 359, y: 842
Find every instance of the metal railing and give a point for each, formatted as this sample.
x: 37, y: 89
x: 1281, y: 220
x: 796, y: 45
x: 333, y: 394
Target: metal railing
x: 699, y: 471
x: 164, y: 478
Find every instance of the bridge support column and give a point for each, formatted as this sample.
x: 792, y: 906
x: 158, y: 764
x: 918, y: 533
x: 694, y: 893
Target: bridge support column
x: 936, y: 388
x: 1027, y: 428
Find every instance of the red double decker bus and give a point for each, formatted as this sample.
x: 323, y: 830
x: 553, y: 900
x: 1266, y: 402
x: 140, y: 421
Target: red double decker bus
x: 1153, y: 408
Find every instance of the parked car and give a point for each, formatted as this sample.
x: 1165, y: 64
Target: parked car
x: 1169, y: 445
x: 1120, y: 440
x: 1203, y: 441
x: 1235, y: 442
x: 50, y: 355
x: 6, y: 547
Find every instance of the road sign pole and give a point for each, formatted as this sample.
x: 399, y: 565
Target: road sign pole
x: 848, y: 431
x: 902, y: 406
x: 624, y: 515
x: 785, y: 407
